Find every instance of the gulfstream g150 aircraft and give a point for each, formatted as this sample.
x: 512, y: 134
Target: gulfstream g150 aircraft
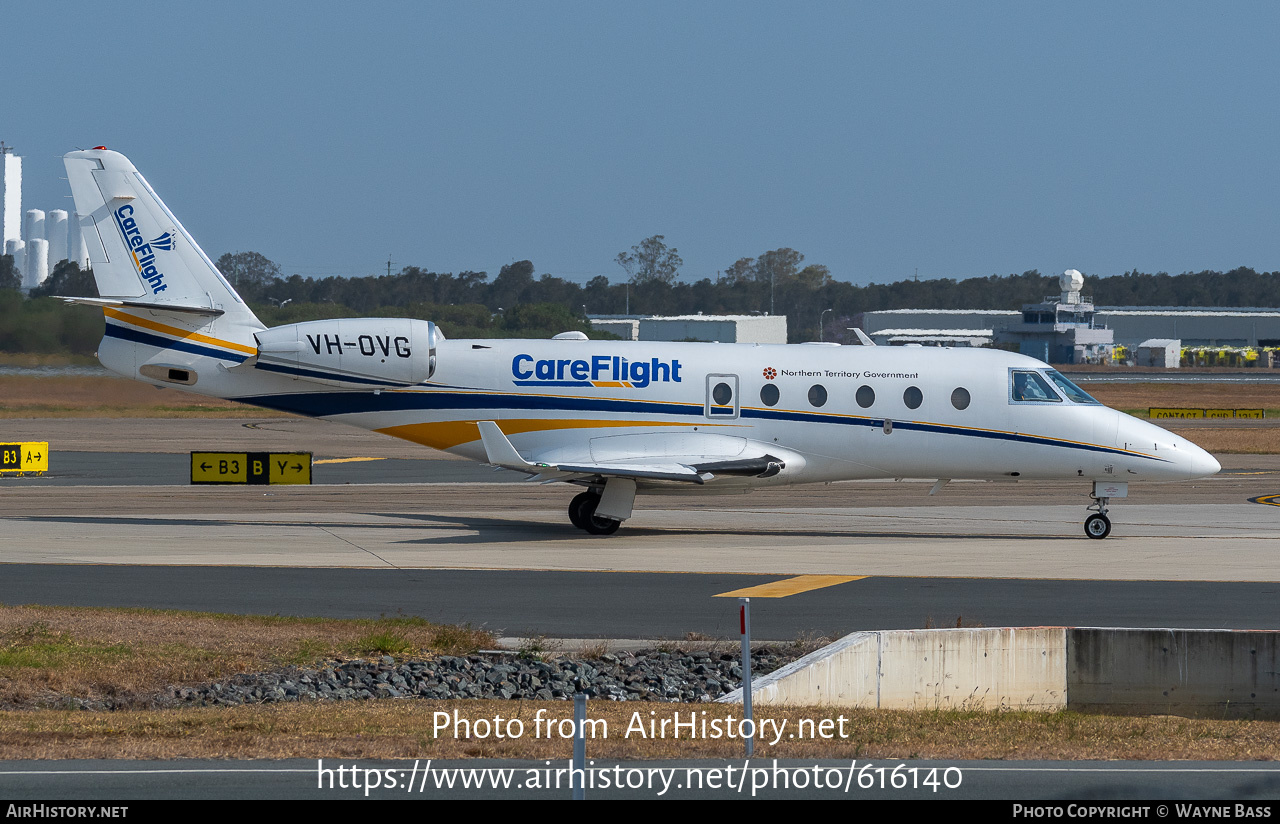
x: 613, y: 418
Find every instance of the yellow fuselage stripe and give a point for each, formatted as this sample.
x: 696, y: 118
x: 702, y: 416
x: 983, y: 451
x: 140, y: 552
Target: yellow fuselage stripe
x: 448, y: 434
x: 134, y: 320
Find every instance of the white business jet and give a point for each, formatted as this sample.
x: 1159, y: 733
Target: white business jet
x: 614, y: 418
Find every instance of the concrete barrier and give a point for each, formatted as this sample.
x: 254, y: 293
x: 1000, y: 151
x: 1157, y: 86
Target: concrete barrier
x: 1134, y: 671
x: 1197, y: 672
x: 991, y: 668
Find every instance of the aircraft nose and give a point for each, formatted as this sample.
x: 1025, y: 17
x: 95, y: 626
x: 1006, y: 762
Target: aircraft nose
x: 1202, y: 464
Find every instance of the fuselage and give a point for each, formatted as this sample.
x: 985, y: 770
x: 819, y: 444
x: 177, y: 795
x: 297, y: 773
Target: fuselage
x: 829, y: 412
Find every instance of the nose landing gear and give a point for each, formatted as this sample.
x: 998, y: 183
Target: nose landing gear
x: 1098, y: 525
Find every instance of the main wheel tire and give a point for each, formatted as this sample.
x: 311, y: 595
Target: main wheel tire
x: 1097, y: 526
x: 582, y: 511
x: 580, y: 502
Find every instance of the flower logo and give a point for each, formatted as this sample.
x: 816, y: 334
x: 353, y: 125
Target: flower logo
x: 770, y: 373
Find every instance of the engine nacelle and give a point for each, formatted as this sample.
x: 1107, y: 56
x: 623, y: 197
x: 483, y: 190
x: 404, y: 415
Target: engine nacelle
x: 367, y: 353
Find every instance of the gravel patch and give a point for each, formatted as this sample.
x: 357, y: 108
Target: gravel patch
x: 646, y: 675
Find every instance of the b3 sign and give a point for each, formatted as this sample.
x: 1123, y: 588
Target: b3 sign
x: 250, y: 467
x: 30, y: 456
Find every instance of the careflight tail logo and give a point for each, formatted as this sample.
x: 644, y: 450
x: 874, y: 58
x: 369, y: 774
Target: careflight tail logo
x: 142, y: 252
x: 600, y: 371
x: 165, y: 242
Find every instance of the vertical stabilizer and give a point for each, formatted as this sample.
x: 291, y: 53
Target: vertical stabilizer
x: 137, y: 248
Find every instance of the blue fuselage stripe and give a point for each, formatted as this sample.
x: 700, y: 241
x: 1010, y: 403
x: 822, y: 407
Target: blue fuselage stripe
x: 316, y: 373
x: 133, y: 335
x: 328, y: 404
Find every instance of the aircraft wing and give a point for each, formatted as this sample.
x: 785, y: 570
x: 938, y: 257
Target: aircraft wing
x: 695, y: 469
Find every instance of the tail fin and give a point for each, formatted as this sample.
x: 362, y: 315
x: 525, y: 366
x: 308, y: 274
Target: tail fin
x: 140, y: 253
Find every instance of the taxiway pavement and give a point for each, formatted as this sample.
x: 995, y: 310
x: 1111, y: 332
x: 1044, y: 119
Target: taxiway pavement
x: 397, y: 532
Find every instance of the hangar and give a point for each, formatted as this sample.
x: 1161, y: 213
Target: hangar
x: 719, y: 328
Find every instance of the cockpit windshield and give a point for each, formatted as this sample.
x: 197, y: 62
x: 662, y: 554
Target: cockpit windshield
x: 1069, y: 389
x: 1026, y: 386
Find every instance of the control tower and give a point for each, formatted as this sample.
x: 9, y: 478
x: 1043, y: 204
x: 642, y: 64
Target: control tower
x: 1061, y: 328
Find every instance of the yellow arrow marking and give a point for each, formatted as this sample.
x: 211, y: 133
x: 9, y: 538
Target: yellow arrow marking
x: 790, y: 586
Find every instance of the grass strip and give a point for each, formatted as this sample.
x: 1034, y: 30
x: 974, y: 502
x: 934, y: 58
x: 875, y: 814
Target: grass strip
x: 97, y: 653
x: 411, y: 728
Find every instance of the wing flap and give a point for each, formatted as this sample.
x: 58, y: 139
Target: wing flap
x: 695, y: 469
x: 652, y: 472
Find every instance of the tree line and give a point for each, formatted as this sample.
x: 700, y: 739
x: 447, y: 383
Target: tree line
x: 521, y: 302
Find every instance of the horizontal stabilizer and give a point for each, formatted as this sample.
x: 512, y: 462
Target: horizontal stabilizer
x: 141, y: 304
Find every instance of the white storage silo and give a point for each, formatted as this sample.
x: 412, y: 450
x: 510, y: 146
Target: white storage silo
x: 76, y: 249
x: 33, y: 226
x: 55, y: 231
x: 18, y: 249
x: 37, y: 263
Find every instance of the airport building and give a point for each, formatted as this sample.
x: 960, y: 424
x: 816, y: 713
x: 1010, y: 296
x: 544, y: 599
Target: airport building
x: 717, y: 328
x: 1130, y: 325
x: 1061, y: 328
x: 1070, y: 329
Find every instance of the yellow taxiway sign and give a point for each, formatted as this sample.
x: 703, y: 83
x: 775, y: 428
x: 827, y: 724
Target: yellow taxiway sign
x: 250, y: 467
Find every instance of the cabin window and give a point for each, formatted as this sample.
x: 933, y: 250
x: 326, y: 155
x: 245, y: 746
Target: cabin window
x: 1026, y: 386
x: 1069, y: 389
x: 960, y: 398
x: 722, y: 394
x: 866, y: 396
x: 817, y: 395
x: 913, y: 397
x: 769, y: 394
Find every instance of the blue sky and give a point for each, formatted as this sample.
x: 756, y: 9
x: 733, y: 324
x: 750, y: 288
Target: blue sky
x: 879, y: 139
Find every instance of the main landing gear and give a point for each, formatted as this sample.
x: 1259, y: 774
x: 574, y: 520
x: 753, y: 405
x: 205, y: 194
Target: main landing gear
x: 1098, y: 525
x: 582, y: 512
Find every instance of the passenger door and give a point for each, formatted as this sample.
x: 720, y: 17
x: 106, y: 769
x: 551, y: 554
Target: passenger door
x: 722, y: 396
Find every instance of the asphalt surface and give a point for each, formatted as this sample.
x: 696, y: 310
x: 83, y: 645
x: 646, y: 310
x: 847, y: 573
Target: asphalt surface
x: 532, y: 603
x: 162, y: 468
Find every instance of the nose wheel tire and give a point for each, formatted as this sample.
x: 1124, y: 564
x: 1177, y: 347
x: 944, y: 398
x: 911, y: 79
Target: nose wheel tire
x: 1097, y: 526
x: 582, y: 513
